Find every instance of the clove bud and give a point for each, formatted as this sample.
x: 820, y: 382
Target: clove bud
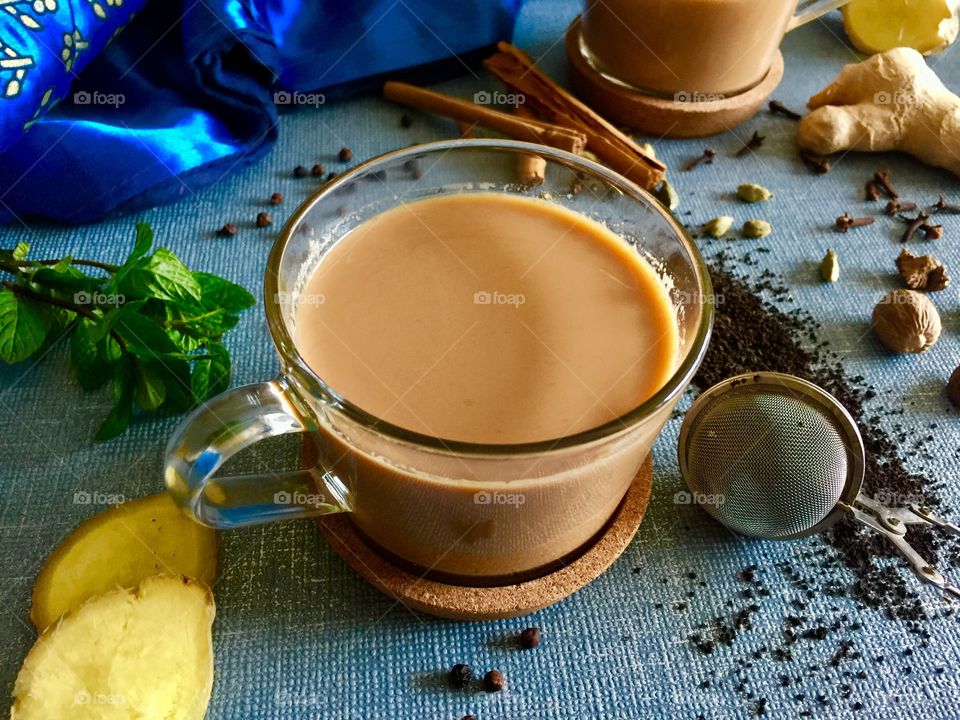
x: 845, y: 222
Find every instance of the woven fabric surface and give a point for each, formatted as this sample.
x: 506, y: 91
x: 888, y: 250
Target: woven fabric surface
x: 299, y: 635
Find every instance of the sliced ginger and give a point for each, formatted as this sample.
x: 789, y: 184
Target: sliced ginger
x: 927, y: 26
x: 891, y: 101
x: 118, y: 548
x: 144, y: 654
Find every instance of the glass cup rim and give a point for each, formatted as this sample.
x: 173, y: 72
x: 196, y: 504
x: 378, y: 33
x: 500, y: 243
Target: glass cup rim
x: 291, y: 358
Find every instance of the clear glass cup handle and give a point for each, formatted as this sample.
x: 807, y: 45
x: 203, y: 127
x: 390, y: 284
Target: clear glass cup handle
x: 223, y: 426
x: 808, y: 10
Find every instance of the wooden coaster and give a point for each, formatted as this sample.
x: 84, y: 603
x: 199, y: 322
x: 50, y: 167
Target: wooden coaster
x: 491, y: 603
x: 659, y: 116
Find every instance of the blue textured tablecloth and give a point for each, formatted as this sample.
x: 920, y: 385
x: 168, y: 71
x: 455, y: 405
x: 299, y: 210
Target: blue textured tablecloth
x: 298, y: 635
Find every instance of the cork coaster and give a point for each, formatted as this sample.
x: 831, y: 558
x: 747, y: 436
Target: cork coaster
x: 659, y: 116
x: 492, y: 603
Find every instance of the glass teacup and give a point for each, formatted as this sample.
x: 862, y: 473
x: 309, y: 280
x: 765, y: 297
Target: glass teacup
x: 468, y: 513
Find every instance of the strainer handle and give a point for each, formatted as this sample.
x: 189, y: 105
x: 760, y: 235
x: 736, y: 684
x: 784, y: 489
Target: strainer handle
x: 921, y: 568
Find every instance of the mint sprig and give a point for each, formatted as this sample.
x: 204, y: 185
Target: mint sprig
x: 150, y: 327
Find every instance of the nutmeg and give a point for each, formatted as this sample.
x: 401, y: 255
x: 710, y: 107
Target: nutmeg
x: 906, y: 321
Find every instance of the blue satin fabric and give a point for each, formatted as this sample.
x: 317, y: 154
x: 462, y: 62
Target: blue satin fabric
x: 186, y: 92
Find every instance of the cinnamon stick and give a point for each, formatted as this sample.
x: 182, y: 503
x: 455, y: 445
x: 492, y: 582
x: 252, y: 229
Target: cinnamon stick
x: 563, y: 138
x: 516, y: 69
x: 531, y: 169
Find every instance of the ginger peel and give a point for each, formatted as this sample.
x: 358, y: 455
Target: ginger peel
x: 891, y: 101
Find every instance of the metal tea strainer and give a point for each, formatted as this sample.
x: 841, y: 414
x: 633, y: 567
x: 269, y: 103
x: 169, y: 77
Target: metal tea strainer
x: 776, y: 457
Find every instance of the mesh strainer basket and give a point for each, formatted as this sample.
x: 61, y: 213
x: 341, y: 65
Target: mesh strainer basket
x: 773, y: 456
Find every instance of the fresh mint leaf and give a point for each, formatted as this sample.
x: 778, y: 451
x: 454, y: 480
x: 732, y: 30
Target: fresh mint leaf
x: 92, y: 358
x: 143, y: 243
x: 119, y: 416
x: 162, y: 275
x: 215, y: 292
x: 151, y: 390
x: 211, y: 376
x: 143, y: 336
x: 67, y: 279
x: 192, y: 320
x: 176, y: 378
x: 150, y: 327
x: 23, y: 327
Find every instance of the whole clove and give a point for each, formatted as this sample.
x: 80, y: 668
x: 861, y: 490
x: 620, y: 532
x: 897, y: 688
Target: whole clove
x: 894, y: 206
x: 942, y: 206
x: 873, y: 191
x: 845, y: 222
x: 755, y: 141
x: 778, y: 108
x: 819, y: 165
x: 882, y: 179
x: 915, y: 224
x: 706, y: 159
x: 931, y: 232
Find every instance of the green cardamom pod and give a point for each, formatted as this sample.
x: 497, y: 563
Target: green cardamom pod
x: 757, y: 228
x: 718, y: 226
x: 751, y: 193
x: 830, y: 267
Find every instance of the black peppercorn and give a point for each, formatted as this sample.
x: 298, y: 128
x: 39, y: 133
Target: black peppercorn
x: 530, y: 638
x: 228, y: 230
x: 494, y: 681
x: 345, y: 155
x: 299, y: 171
x: 276, y: 199
x: 263, y: 220
x: 317, y: 170
x: 460, y: 675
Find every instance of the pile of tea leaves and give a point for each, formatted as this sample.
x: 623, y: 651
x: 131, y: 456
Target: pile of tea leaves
x: 756, y: 329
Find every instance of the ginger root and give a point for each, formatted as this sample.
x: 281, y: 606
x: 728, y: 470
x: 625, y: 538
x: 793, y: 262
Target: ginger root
x: 891, y: 101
